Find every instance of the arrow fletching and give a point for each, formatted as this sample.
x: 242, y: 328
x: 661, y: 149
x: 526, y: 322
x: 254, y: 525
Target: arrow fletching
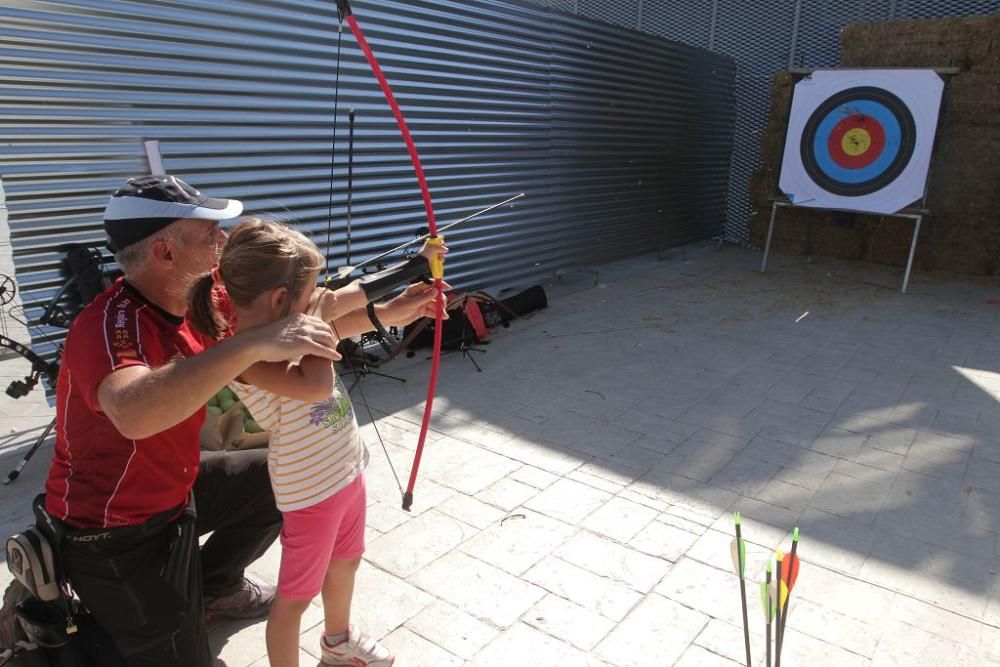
x: 790, y: 571
x: 783, y: 595
x: 767, y: 596
x: 738, y: 551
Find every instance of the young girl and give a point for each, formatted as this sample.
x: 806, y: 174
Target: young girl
x: 316, y: 458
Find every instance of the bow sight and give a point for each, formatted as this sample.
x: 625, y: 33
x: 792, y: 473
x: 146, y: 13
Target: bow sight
x: 39, y: 369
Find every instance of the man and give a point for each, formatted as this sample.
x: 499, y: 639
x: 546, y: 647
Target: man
x: 127, y: 476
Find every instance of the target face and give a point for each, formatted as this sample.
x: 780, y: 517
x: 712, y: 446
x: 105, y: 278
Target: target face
x: 858, y: 141
x: 861, y: 139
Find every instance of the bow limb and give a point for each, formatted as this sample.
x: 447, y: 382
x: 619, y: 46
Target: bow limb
x: 437, y: 269
x: 345, y: 10
x: 438, y: 274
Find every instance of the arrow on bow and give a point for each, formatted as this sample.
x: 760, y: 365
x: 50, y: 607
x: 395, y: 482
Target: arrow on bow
x: 345, y: 271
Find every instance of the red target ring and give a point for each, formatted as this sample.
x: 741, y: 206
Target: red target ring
x: 856, y: 141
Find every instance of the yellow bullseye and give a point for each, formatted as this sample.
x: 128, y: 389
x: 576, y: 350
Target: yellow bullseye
x: 856, y: 141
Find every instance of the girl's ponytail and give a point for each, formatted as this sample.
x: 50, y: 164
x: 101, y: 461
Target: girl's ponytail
x: 260, y: 255
x: 202, y: 313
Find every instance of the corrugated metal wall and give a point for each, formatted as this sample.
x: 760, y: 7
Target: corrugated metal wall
x: 620, y: 140
x: 764, y: 37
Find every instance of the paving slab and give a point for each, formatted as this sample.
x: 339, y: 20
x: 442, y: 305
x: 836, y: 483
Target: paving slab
x: 575, y: 498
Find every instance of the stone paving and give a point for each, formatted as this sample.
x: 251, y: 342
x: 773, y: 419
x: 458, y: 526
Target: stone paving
x: 574, y: 502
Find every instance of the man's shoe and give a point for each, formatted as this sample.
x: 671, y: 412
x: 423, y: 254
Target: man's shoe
x: 358, y: 650
x: 252, y: 600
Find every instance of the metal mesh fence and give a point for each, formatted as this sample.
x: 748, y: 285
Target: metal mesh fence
x: 764, y: 36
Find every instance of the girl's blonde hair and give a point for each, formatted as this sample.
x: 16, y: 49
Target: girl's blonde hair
x: 259, y: 256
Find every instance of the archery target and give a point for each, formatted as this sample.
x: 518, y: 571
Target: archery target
x: 861, y: 140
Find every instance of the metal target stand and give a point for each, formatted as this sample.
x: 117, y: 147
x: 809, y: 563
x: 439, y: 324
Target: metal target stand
x: 915, y: 214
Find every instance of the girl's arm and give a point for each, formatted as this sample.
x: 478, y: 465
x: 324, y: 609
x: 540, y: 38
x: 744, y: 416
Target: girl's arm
x: 310, y: 380
x: 415, y: 302
x: 179, y: 388
x: 335, y: 305
x: 329, y: 305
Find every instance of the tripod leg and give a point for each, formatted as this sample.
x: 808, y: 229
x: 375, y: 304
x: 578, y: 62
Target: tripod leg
x: 16, y: 472
x: 357, y: 379
x: 386, y: 376
x: 473, y: 360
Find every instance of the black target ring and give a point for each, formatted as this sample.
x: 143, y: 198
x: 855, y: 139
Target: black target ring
x: 889, y: 109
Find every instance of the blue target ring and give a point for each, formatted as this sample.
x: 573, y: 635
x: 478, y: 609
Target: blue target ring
x: 893, y: 140
x: 872, y: 105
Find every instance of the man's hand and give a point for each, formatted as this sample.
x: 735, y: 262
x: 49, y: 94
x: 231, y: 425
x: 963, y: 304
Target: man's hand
x: 415, y: 302
x: 294, y: 337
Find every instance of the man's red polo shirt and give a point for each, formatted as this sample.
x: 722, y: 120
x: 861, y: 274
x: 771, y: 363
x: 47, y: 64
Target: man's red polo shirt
x: 99, y: 478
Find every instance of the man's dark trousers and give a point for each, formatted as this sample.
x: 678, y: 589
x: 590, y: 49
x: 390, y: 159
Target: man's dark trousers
x: 128, y: 577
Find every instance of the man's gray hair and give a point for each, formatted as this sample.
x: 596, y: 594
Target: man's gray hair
x: 133, y: 258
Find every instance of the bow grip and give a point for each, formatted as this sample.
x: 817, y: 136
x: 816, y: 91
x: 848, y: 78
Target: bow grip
x: 436, y: 262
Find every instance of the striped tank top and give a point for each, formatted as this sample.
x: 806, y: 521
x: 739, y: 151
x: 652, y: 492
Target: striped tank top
x: 315, y: 449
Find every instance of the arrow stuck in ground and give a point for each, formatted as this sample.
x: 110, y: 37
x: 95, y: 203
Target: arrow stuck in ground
x: 738, y: 551
x: 767, y: 602
x: 775, y: 592
x: 788, y: 578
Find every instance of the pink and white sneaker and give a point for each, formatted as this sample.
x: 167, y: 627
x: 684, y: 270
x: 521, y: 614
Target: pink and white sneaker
x: 358, y: 650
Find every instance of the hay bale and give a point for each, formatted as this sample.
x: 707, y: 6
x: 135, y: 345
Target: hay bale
x: 947, y: 42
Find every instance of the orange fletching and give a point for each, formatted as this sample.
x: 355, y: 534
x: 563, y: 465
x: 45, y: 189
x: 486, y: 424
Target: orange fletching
x: 790, y: 570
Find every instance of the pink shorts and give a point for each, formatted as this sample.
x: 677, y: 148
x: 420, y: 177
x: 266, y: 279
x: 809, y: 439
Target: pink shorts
x: 313, y: 536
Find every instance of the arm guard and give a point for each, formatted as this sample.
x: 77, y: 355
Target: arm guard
x: 377, y: 285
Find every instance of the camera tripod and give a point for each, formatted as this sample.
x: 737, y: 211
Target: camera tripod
x: 358, y: 363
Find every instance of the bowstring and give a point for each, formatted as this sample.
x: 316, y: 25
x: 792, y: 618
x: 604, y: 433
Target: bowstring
x: 368, y: 408
x: 333, y: 145
x: 326, y: 282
